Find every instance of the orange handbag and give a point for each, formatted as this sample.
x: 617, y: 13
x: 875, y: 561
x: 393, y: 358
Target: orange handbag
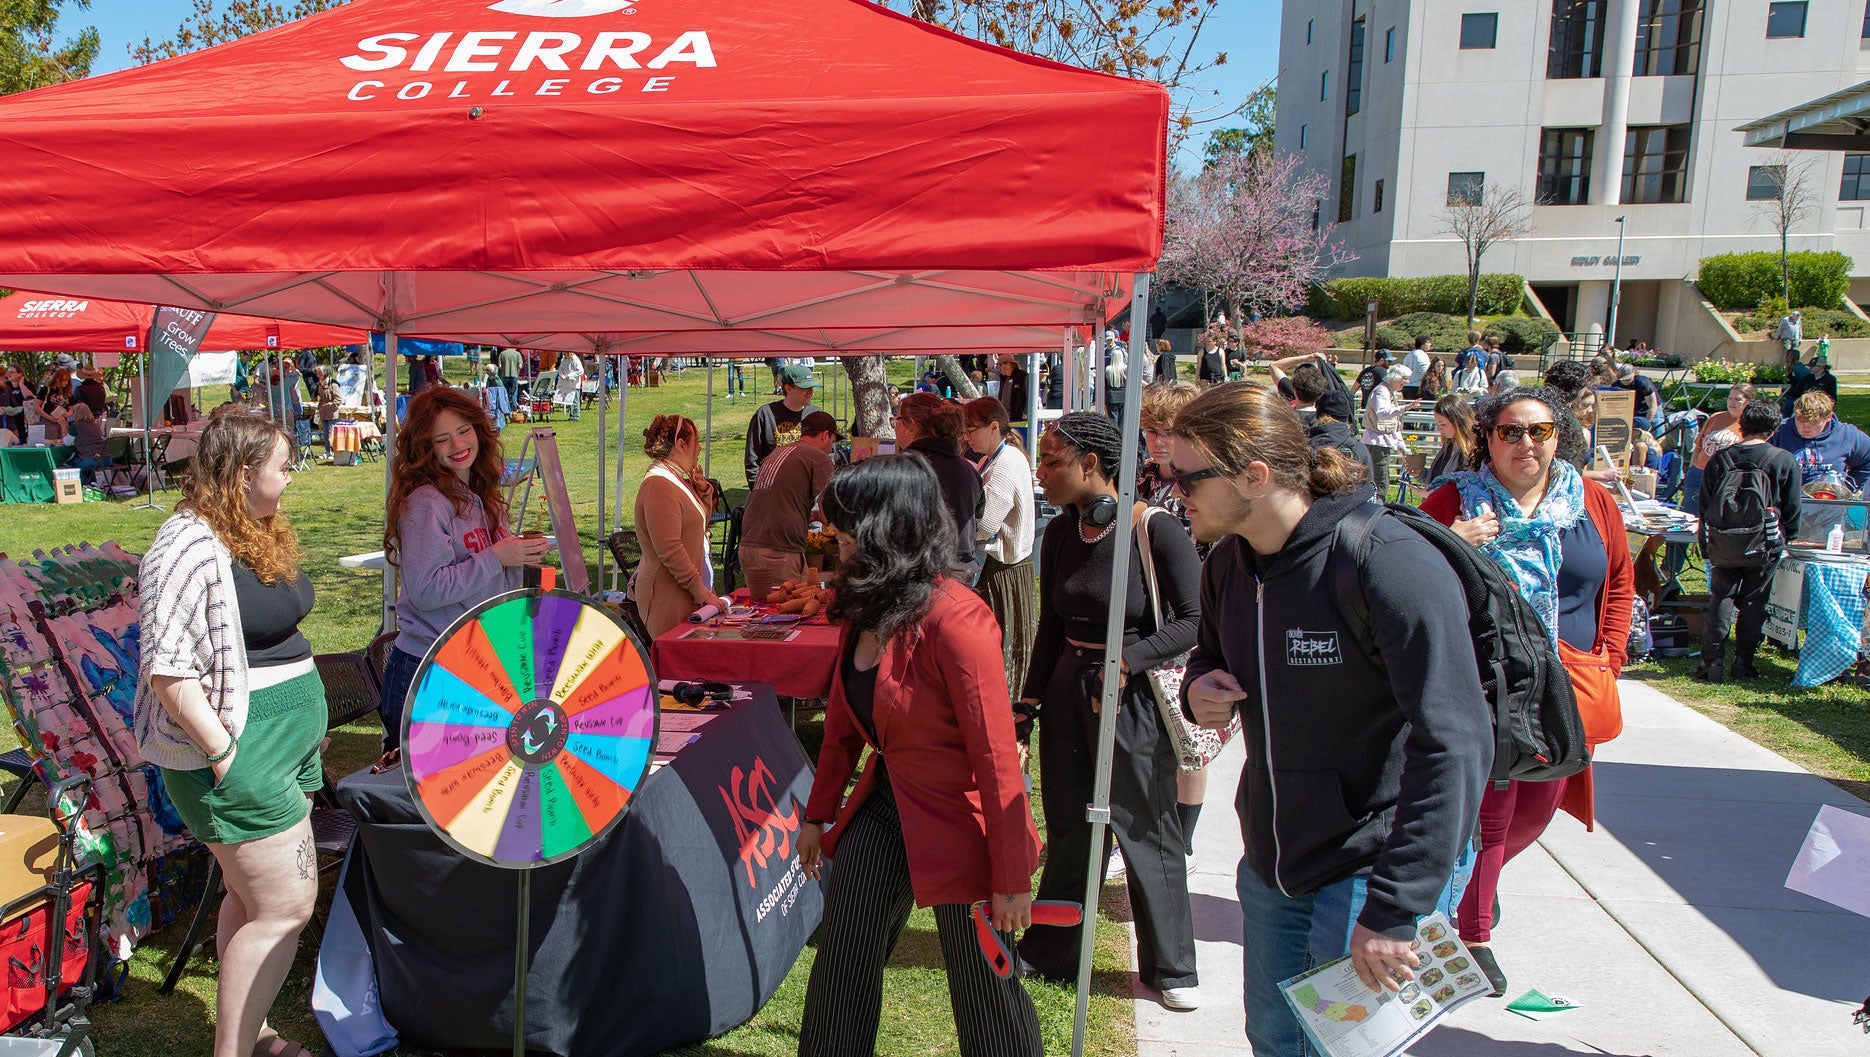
x: 1594, y: 684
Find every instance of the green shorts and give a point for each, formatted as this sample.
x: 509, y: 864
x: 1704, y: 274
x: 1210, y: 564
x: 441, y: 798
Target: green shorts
x: 276, y: 767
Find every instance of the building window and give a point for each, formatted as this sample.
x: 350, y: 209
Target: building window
x: 1479, y: 30
x: 1655, y: 165
x: 1318, y: 209
x: 1668, y: 38
x: 1565, y: 167
x: 1765, y: 182
x: 1324, y: 85
x: 1376, y: 199
x: 1856, y: 187
x: 1308, y: 31
x: 1354, y: 76
x: 1302, y: 129
x: 1785, y: 19
x: 1389, y: 39
x: 1347, y: 190
x: 1577, y: 39
x: 1866, y: 32
x: 1466, y: 188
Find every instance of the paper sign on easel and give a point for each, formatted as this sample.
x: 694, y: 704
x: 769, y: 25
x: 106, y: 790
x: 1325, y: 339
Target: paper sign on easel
x: 558, y: 505
x: 1616, y: 425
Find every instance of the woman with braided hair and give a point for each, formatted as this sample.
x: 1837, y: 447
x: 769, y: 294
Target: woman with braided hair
x: 1078, y: 465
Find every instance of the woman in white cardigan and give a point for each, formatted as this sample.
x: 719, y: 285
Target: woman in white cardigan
x: 1383, y: 425
x: 1005, y: 533
x: 230, y: 707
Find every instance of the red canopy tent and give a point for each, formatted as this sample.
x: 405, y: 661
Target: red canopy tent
x: 585, y: 171
x: 448, y: 168
x: 55, y: 323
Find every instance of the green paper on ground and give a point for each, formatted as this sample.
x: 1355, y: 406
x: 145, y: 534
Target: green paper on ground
x: 1537, y: 1005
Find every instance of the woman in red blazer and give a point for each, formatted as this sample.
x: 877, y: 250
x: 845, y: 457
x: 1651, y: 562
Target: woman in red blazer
x: 939, y: 817
x: 1561, y: 538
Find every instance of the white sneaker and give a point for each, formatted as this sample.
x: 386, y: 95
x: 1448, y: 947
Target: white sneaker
x: 1181, y: 999
x: 1114, y: 867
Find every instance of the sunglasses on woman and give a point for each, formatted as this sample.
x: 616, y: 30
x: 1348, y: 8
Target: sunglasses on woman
x: 1540, y: 432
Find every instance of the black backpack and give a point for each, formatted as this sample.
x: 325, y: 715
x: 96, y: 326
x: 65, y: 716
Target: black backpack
x: 1736, y: 529
x: 1538, y: 734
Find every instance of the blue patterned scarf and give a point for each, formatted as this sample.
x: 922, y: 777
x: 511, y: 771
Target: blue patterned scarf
x: 1527, y: 547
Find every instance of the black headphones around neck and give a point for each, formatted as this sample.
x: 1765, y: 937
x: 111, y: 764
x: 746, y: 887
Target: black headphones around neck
x: 1102, y: 511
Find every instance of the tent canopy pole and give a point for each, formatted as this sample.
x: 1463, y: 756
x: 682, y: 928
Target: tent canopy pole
x: 1097, y: 812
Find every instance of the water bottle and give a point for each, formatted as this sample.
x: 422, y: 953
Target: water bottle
x: 1834, y: 540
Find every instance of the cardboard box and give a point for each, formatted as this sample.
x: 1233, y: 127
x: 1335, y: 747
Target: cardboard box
x: 68, y: 491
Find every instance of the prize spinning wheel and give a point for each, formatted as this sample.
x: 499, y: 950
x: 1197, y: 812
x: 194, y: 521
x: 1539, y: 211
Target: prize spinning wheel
x: 529, y: 727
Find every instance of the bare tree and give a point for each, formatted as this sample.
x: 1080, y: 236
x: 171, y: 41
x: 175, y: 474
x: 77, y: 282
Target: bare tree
x: 1480, y: 217
x: 1792, y: 181
x: 1151, y: 41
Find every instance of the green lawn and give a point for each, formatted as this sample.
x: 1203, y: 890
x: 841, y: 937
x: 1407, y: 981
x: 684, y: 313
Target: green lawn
x: 339, y: 511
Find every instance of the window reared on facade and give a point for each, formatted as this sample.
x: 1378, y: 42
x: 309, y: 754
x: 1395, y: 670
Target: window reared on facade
x: 1785, y: 19
x: 1668, y: 38
x: 1655, y: 165
x: 1479, y: 30
x: 1577, y: 48
x: 1565, y: 166
x: 1764, y: 182
x: 1354, y: 75
x: 1466, y: 188
x: 1856, y: 185
x: 1347, y: 190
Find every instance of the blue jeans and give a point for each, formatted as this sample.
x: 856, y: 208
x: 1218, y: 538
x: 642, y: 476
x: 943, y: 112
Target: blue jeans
x: 398, y: 671
x: 1287, y: 935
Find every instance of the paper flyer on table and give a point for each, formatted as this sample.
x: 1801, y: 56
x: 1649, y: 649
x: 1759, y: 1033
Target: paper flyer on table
x: 1834, y: 864
x: 1344, y: 1018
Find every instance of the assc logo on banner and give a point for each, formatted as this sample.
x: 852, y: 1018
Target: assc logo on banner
x: 763, y: 829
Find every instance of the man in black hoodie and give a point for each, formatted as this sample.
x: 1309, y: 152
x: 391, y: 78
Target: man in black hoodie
x: 1363, y: 779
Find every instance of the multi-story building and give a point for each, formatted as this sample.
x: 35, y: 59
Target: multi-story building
x: 1592, y: 109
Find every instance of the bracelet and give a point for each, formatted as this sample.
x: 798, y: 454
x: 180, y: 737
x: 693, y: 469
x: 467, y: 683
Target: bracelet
x: 225, y: 753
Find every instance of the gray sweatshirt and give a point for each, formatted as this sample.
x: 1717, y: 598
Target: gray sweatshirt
x: 447, y: 567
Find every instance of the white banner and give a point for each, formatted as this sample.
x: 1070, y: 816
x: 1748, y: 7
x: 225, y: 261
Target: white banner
x: 209, y: 368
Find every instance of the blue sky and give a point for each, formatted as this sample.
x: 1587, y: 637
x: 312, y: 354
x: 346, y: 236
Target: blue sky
x: 1245, y: 29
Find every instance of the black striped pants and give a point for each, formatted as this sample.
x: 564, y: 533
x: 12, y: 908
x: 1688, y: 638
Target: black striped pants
x: 867, y: 901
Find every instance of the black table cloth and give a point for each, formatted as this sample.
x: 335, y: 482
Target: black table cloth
x: 675, y: 927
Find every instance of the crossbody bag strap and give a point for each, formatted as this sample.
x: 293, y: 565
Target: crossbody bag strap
x: 1142, y: 515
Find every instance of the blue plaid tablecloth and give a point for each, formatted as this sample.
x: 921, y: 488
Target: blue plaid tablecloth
x: 1833, y: 608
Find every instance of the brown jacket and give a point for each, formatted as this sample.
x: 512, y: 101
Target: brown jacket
x: 672, y: 530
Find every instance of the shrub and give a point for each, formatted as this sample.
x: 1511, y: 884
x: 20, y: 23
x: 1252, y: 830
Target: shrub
x: 1345, y: 298
x: 1727, y: 371
x: 1818, y: 322
x: 1738, y: 282
x: 1770, y: 373
x: 1393, y: 337
x: 1521, y: 333
x: 1287, y: 336
x: 1660, y: 361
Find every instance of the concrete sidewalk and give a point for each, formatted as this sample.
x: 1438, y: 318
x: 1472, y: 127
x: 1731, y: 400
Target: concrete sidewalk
x: 1670, y: 925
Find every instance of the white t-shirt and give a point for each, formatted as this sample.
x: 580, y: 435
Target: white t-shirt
x: 1417, y: 362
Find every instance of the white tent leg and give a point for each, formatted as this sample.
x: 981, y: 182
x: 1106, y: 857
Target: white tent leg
x: 623, y: 416
x: 1097, y: 812
x: 603, y: 435
x: 707, y: 457
x: 389, y: 441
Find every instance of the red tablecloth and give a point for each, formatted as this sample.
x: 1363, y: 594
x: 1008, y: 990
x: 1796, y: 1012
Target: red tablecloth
x: 801, y: 667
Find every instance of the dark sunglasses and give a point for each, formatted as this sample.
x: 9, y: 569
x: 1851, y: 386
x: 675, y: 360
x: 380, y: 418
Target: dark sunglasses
x: 1183, y: 482
x: 1540, y: 432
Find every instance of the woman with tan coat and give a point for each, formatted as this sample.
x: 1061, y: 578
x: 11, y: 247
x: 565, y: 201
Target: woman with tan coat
x: 676, y: 576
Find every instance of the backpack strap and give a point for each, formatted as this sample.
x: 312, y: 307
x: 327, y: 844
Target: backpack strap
x: 1350, y: 555
x: 1139, y: 518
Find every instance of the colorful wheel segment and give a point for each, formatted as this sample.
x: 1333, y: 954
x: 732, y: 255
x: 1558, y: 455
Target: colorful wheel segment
x: 529, y: 728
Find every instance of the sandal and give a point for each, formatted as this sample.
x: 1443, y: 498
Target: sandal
x: 274, y: 1044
